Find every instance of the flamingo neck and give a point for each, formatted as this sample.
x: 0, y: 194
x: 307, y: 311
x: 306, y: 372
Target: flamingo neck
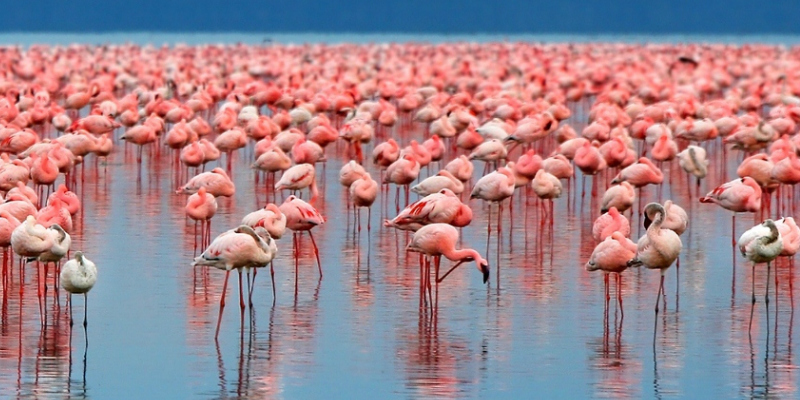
x: 462, y: 255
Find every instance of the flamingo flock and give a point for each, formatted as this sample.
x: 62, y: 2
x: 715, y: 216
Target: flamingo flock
x: 467, y: 128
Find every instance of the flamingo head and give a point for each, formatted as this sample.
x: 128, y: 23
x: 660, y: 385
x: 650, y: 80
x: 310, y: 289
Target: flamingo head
x: 652, y: 212
x: 290, y: 199
x: 483, y: 266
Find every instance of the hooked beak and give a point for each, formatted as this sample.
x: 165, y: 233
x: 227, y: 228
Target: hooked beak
x: 510, y: 139
x: 485, y: 270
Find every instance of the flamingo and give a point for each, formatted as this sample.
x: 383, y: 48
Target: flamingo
x: 693, y: 160
x: 78, y: 276
x: 441, y: 207
x: 363, y: 192
x: 611, y: 256
x: 442, y: 180
x: 658, y: 248
x: 402, y: 172
x: 216, y: 182
x: 761, y: 244
x: 437, y: 240
x: 201, y: 207
x: 299, y: 177
x: 461, y: 168
x: 494, y: 188
x: 609, y: 222
x: 239, y: 248
x: 300, y: 217
x: 738, y: 195
x: 270, y: 218
x: 350, y: 172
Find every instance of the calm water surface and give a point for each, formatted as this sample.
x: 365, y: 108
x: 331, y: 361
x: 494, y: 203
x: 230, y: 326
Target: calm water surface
x: 538, y: 329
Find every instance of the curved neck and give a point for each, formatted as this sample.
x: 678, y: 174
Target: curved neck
x: 655, y: 226
x: 462, y: 254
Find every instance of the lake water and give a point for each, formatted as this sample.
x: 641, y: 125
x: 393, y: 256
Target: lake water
x: 538, y: 329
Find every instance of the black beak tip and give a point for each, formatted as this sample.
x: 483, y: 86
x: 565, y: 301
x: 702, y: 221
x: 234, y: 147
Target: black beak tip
x: 485, y: 274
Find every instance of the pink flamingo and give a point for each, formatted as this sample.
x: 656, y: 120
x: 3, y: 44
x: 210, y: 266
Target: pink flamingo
x: 216, y: 182
x: 494, y: 188
x: 442, y: 180
x: 201, y: 207
x: 270, y: 218
x: 299, y: 177
x: 608, y: 223
x: 619, y: 196
x: 350, y: 172
x: 70, y: 199
x: 738, y: 195
x: 461, y: 168
x: 402, y: 172
x: 240, y: 248
x: 441, y: 207
x: 300, y: 217
x: 363, y: 192
x: 612, y: 256
x: 8, y: 223
x: 140, y: 135
x: 437, y: 240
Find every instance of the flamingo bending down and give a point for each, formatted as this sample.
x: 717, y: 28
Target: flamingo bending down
x: 437, y: 240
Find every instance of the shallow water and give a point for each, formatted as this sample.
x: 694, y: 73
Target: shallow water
x: 538, y: 328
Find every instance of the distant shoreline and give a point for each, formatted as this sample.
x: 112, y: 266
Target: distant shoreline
x: 194, y: 38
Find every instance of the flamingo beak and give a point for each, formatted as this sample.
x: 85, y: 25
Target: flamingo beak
x: 485, y: 271
x: 647, y: 221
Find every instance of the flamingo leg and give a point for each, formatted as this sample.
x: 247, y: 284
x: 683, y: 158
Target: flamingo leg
x: 766, y: 293
x: 660, y: 289
x: 272, y: 275
x: 428, y: 280
x: 677, y: 281
x: 753, y: 301
x: 85, y: 316
x: 241, y: 294
x: 449, y: 271
x: 437, y: 262
x: 619, y: 297
x: 316, y: 252
x: 252, y: 286
x: 221, y: 302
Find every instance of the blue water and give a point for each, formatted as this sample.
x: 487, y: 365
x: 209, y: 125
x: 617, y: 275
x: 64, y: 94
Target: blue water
x: 537, y: 329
